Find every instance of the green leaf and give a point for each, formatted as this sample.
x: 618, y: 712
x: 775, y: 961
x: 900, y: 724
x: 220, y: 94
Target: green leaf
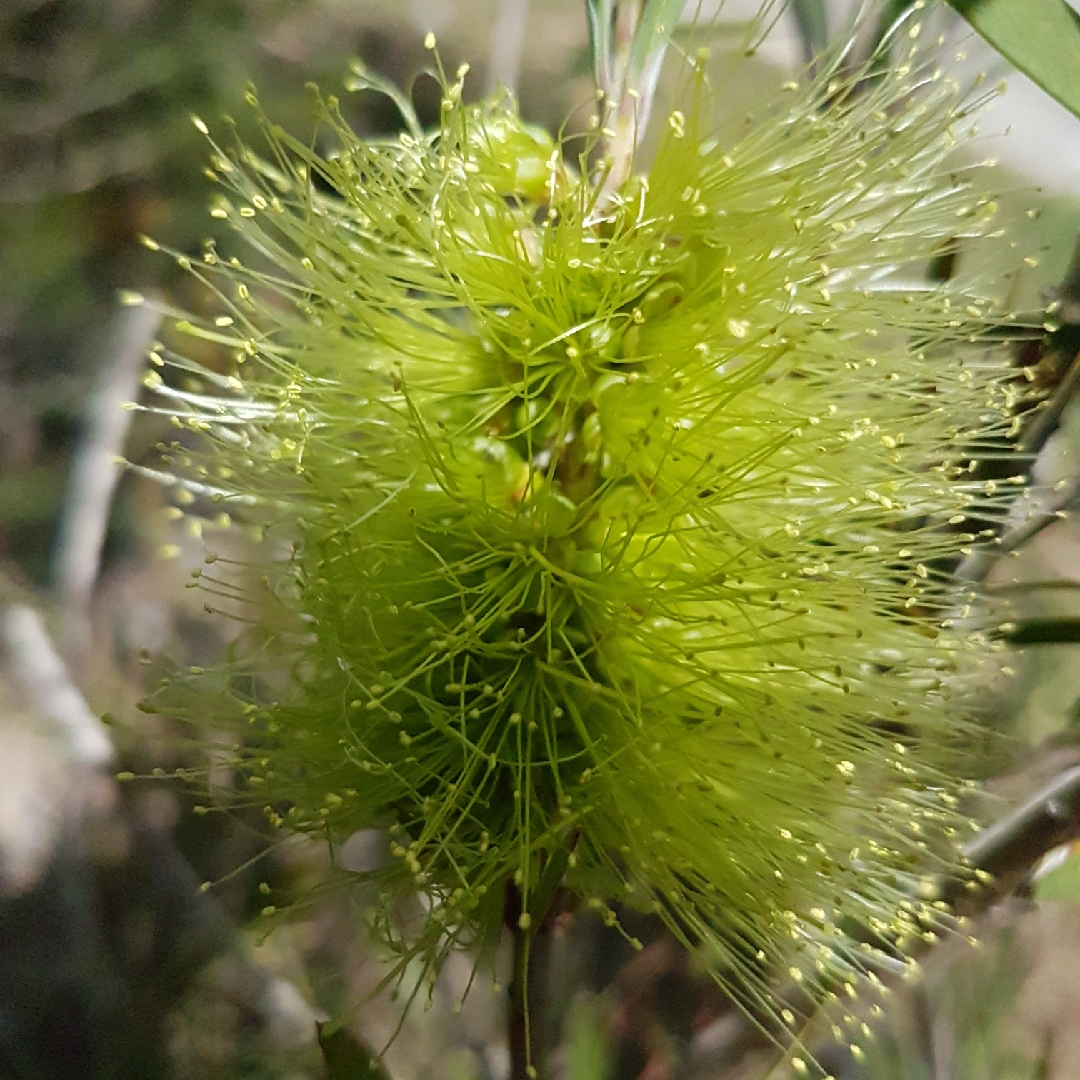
x: 813, y: 26
x: 346, y: 1058
x: 588, y: 1051
x: 599, y: 15
x: 1060, y: 880
x: 1041, y: 38
x: 638, y: 66
x: 658, y: 22
x: 889, y: 12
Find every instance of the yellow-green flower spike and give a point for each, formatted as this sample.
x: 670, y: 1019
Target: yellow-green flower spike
x: 608, y: 539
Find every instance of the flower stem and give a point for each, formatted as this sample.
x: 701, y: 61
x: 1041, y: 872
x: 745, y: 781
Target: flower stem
x: 528, y: 1001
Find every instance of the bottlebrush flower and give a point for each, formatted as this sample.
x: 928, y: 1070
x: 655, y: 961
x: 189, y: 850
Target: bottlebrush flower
x: 619, y: 528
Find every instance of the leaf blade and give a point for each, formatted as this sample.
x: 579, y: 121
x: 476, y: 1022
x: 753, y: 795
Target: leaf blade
x: 598, y: 14
x: 811, y: 18
x: 658, y: 21
x: 1040, y: 38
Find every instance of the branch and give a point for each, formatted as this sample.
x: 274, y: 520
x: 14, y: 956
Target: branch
x: 977, y: 565
x: 38, y: 669
x: 95, y: 472
x: 1010, y: 848
x: 1007, y: 850
x: 1035, y: 437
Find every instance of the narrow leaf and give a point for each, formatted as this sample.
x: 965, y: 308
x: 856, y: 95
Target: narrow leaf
x: 1041, y: 38
x: 599, y: 16
x: 658, y: 21
x: 813, y: 27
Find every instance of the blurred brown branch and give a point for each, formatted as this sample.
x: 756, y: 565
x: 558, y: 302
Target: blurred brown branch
x: 40, y: 672
x: 95, y: 473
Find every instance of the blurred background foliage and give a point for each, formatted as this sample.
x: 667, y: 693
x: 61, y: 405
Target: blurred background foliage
x: 114, y: 962
x: 97, y: 148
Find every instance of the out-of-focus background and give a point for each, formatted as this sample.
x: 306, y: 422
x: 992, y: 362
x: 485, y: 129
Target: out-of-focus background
x: 114, y: 961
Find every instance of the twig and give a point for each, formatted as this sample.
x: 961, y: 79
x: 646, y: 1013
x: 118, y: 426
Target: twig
x: 507, y: 39
x: 977, y: 565
x: 1034, y: 439
x: 37, y: 667
x: 1052, y: 630
x: 1029, y: 586
x: 1006, y: 850
x: 95, y: 473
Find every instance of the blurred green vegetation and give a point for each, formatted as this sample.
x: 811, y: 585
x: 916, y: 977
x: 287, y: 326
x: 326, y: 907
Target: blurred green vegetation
x: 97, y: 148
